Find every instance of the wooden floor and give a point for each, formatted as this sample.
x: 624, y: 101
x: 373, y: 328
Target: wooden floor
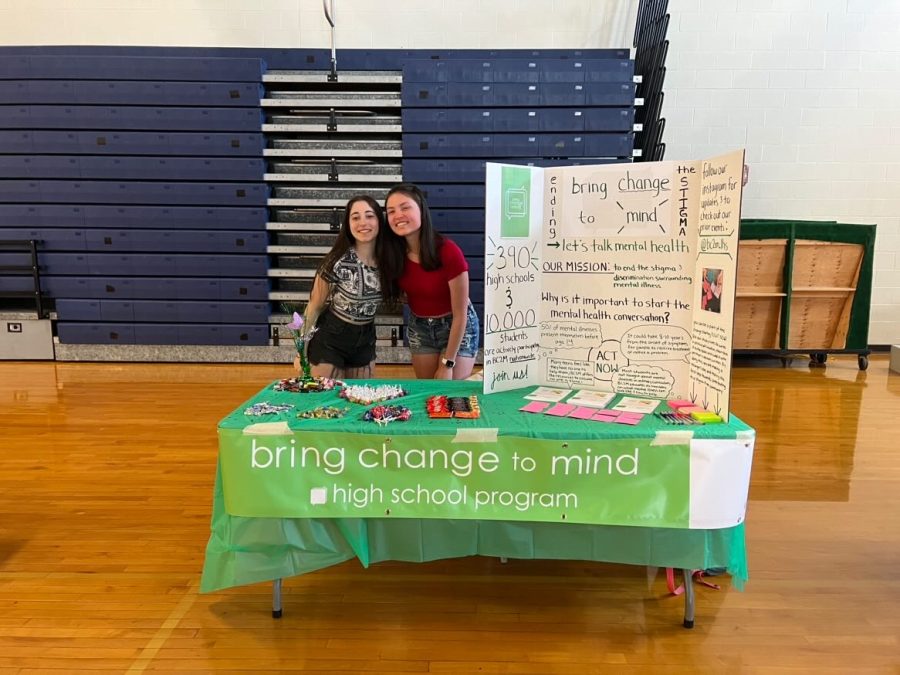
x: 106, y: 478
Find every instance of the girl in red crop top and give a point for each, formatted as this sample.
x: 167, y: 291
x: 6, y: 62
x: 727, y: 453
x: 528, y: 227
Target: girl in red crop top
x: 431, y: 271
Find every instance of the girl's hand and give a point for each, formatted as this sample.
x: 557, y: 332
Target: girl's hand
x: 297, y: 363
x: 443, y: 372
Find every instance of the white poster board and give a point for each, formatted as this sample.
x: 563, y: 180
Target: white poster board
x: 615, y: 277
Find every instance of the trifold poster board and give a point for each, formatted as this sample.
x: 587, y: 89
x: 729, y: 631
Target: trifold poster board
x: 613, y: 277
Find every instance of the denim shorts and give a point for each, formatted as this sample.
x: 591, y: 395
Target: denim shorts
x: 430, y: 336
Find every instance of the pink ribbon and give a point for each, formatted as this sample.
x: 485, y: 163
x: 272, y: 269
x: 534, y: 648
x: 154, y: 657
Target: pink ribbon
x: 696, y: 575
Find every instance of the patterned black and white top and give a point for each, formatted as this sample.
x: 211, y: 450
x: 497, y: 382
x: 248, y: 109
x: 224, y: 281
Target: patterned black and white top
x: 355, y: 288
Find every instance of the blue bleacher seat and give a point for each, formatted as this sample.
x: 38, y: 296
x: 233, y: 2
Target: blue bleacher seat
x: 176, y: 217
x: 174, y: 241
x: 109, y: 192
x: 141, y: 143
x: 138, y: 118
x: 188, y: 68
x: 449, y: 221
x: 117, y: 310
x: 132, y: 168
x: 86, y: 92
x: 449, y: 196
x: 156, y: 334
x: 161, y: 217
x: 150, y: 288
x: 78, y: 310
x: 95, y: 333
x: 71, y: 332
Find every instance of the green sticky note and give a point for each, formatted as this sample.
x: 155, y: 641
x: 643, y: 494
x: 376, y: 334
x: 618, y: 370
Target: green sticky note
x: 706, y: 417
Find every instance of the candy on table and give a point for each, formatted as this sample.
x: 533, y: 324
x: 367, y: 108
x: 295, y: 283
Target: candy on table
x: 382, y: 414
x: 366, y: 394
x: 301, y: 385
x: 323, y: 412
x: 464, y: 407
x: 438, y: 407
x: 266, y: 408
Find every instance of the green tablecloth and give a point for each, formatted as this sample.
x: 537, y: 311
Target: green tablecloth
x: 249, y: 550
x: 497, y: 410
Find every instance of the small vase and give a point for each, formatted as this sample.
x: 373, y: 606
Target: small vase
x: 305, y: 368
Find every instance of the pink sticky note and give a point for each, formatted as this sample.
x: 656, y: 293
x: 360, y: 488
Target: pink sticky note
x: 631, y: 416
x: 560, y: 410
x: 606, y: 416
x: 582, y: 413
x: 535, y: 407
x: 680, y: 403
x: 627, y: 420
x: 605, y: 419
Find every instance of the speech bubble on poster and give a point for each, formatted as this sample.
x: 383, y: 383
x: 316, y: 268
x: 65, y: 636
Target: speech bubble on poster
x: 570, y: 372
x: 608, y: 360
x: 644, y: 380
x: 570, y: 333
x: 655, y: 342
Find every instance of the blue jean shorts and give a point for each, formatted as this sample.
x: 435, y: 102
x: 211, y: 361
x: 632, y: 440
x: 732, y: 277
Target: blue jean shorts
x: 430, y: 336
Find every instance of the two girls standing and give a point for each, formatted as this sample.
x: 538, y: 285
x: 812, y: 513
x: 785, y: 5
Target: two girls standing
x: 412, y: 260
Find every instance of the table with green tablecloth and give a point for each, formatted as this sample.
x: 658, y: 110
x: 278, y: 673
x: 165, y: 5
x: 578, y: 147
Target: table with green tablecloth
x: 294, y: 495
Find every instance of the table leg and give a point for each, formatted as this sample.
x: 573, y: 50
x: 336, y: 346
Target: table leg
x: 276, y: 599
x: 688, y: 598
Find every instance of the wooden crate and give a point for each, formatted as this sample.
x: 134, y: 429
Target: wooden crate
x: 823, y: 286
x: 804, y: 287
x: 759, y: 294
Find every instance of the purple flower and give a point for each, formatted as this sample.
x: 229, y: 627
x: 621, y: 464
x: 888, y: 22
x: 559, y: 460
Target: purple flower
x: 297, y: 323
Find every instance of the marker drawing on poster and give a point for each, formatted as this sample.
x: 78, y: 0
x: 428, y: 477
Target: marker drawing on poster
x: 617, y: 277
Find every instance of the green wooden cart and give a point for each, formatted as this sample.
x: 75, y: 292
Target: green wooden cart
x: 804, y: 287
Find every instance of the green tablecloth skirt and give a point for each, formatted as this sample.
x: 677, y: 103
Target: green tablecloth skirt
x: 251, y: 550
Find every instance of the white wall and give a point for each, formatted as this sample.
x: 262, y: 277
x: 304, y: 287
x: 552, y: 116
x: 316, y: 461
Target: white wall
x: 810, y: 87
x: 362, y: 24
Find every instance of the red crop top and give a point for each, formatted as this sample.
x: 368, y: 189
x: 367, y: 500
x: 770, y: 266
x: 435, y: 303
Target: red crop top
x: 428, y: 293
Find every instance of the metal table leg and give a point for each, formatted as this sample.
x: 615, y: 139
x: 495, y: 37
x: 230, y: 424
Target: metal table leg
x: 688, y: 598
x: 276, y: 599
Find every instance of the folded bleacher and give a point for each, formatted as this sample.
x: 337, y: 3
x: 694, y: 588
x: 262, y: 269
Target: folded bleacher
x: 140, y: 178
x: 184, y: 196
x: 539, y: 109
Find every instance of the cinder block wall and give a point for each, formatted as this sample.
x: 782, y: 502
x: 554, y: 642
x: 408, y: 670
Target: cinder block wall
x: 812, y: 89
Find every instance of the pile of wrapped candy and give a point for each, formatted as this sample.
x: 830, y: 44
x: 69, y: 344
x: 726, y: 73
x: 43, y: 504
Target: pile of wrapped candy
x: 366, y: 394
x: 465, y: 407
x: 303, y: 385
x: 382, y: 414
x: 327, y: 412
x: 266, y: 408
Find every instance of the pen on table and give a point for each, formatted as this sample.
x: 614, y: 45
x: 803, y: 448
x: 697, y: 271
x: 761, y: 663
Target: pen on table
x: 673, y: 419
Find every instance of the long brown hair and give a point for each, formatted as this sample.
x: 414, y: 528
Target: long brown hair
x: 430, y: 242
x: 345, y: 239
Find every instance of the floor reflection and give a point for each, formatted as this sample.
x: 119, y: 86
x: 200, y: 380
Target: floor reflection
x: 810, y: 423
